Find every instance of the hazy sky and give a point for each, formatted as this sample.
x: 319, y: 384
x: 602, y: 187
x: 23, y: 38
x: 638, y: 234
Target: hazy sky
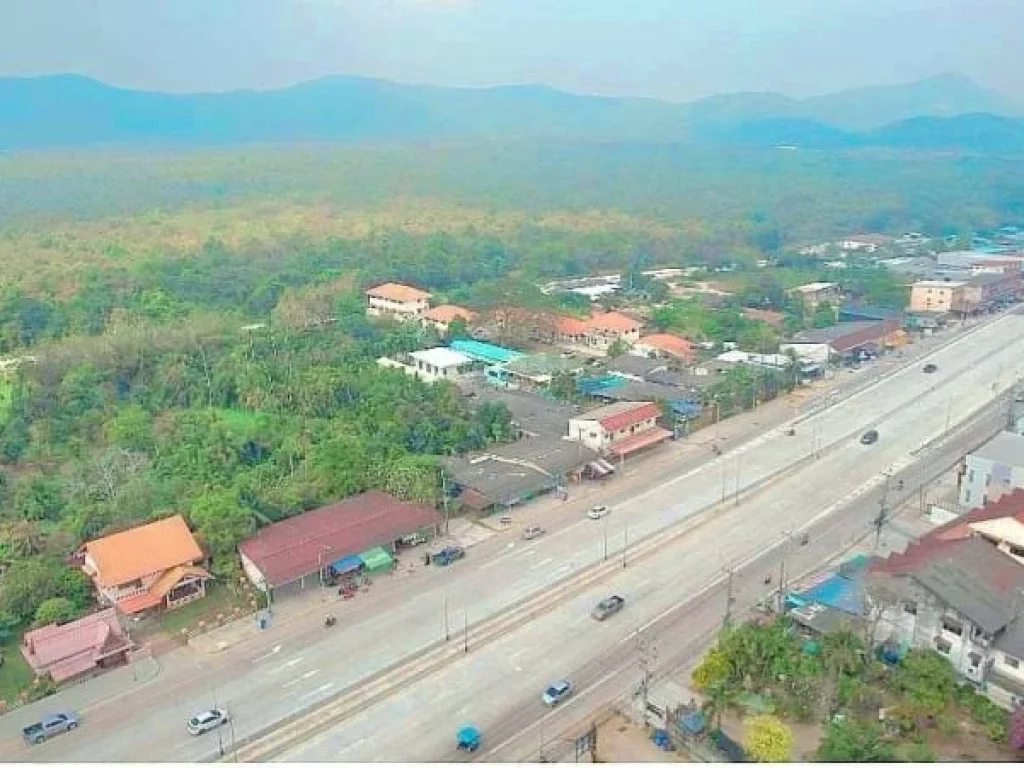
x: 676, y: 49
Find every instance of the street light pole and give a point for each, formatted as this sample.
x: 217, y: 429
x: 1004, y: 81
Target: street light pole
x: 604, y: 528
x: 444, y: 604
x: 739, y: 466
x: 465, y: 631
x: 625, y: 542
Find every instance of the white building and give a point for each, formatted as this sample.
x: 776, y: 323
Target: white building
x: 436, y: 364
x: 620, y: 428
x: 994, y: 469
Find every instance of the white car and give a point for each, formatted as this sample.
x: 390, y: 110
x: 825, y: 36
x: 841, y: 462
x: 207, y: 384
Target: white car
x: 207, y: 720
x: 597, y: 511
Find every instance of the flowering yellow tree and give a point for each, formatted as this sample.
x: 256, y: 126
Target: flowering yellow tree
x: 768, y: 739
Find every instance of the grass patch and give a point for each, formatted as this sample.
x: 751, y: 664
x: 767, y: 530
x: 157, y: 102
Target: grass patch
x: 242, y: 422
x: 6, y: 388
x: 221, y: 604
x: 15, y: 674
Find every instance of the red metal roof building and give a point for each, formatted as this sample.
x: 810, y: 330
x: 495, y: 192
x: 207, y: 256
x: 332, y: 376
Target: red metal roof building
x: 66, y: 651
x: 619, y: 429
x: 304, y: 545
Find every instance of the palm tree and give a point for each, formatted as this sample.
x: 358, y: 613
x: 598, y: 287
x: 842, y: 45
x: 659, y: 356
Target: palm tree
x: 25, y: 537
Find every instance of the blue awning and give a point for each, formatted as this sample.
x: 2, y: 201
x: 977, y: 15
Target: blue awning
x: 346, y: 564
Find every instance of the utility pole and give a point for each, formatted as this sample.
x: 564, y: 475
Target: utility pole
x: 604, y: 529
x: 465, y: 631
x: 220, y: 736
x: 727, y: 619
x: 648, y: 657
x: 883, y: 508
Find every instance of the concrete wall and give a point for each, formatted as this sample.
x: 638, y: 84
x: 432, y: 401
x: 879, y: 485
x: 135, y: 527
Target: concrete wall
x: 378, y: 306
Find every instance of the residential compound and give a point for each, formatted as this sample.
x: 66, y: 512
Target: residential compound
x: 158, y: 565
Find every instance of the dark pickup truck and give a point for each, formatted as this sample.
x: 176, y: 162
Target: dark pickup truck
x: 50, y: 725
x: 447, y: 556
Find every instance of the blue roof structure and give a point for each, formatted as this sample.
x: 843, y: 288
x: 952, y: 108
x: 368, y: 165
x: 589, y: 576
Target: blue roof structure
x: 593, y: 385
x: 483, y: 352
x: 842, y: 590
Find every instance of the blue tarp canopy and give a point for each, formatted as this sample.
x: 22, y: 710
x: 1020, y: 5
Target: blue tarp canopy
x: 347, y: 563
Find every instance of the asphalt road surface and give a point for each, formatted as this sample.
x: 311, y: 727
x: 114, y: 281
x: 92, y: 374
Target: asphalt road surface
x: 673, y: 595
x: 754, y: 492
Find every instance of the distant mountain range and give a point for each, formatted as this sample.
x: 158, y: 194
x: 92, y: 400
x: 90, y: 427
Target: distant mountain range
x: 946, y: 112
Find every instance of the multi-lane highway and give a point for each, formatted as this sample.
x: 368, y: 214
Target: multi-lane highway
x: 499, y: 686
x: 390, y: 665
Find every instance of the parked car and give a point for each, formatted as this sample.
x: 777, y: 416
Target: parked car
x: 607, y: 607
x: 207, y: 720
x: 556, y: 692
x: 869, y: 437
x: 448, y: 555
x: 532, y: 532
x: 50, y: 725
x: 931, y: 368
x: 413, y: 540
x: 597, y: 511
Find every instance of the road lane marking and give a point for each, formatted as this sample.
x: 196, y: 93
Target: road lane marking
x: 291, y: 662
x: 317, y: 691
x: 302, y: 677
x: 274, y: 650
x: 542, y: 563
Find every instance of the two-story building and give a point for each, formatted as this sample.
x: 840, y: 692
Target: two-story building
x: 814, y: 294
x: 962, y: 598
x: 665, y: 345
x: 396, y: 300
x: 937, y: 295
x: 992, y: 470
x: 619, y: 429
x: 598, y: 332
x: 152, y: 566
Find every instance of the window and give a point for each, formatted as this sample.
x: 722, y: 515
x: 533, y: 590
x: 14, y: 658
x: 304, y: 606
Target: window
x: 1011, y: 661
x: 910, y: 607
x: 974, y: 659
x: 943, y: 646
x: 970, y: 476
x: 967, y: 497
x: 952, y: 625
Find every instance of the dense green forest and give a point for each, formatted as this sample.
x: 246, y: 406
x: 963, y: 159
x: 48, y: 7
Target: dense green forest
x: 198, y: 328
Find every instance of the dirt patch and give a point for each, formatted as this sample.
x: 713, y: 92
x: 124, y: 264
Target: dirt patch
x: 806, y: 736
x: 619, y: 740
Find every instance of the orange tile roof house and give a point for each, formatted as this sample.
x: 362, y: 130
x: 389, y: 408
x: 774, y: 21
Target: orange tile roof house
x: 154, y: 565
x: 599, y: 331
x: 397, y: 300
x: 77, y: 648
x: 666, y: 345
x: 442, y: 316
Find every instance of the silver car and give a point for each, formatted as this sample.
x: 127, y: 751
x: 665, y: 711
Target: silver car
x: 556, y: 692
x: 597, y: 511
x: 207, y: 720
x: 532, y: 532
